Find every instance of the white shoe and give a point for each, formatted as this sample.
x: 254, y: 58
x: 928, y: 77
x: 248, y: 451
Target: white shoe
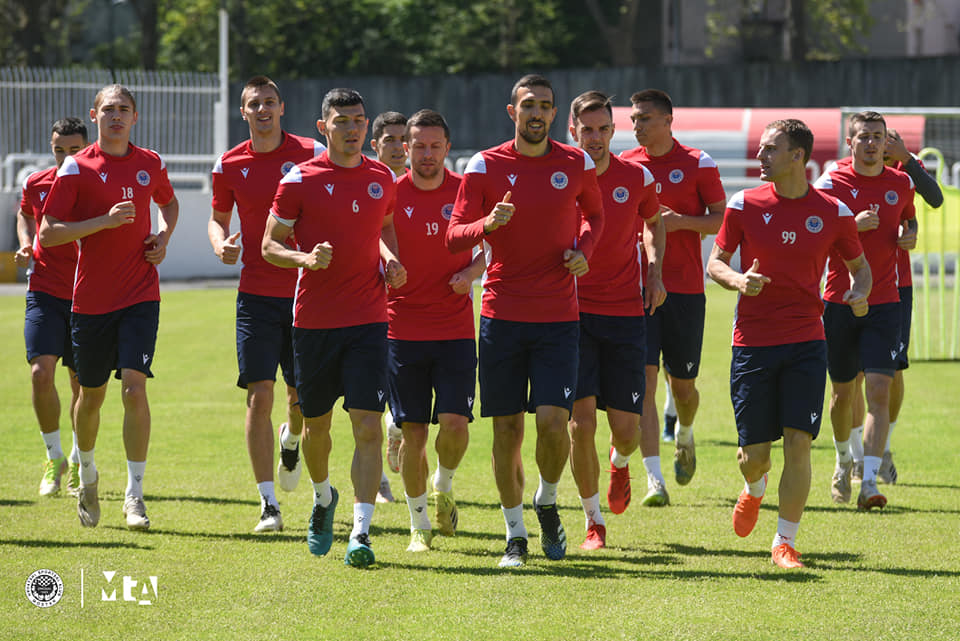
x: 394, y: 438
x: 136, y: 513
x: 270, y: 519
x: 288, y: 468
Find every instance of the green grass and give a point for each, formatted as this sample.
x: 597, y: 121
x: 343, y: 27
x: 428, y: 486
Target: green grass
x: 673, y: 573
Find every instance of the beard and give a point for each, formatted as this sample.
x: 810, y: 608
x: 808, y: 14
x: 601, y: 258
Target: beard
x: 532, y: 137
x: 428, y: 172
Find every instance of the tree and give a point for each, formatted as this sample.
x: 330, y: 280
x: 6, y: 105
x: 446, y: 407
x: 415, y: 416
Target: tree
x: 32, y: 32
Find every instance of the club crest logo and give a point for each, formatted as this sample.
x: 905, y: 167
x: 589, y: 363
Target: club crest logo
x: 891, y: 197
x: 447, y: 211
x: 375, y: 190
x: 44, y: 588
x: 559, y: 180
x: 143, y: 178
x: 287, y: 166
x: 676, y: 176
x: 621, y: 194
x: 814, y: 224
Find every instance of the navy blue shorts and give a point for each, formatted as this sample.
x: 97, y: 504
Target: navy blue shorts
x: 514, y: 353
x: 869, y: 343
x: 46, y: 327
x: 343, y: 361
x: 675, y: 330
x: 777, y: 386
x: 122, y: 339
x: 418, y: 369
x: 613, y: 351
x: 264, y: 338
x: 906, y: 320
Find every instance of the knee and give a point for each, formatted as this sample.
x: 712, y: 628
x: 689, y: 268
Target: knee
x: 684, y: 390
x: 414, y: 437
x: 41, y: 375
x: 134, y: 392
x: 260, y: 396
x: 367, y: 432
x: 583, y: 428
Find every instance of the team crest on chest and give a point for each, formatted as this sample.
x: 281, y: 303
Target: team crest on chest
x: 621, y: 194
x: 143, y: 178
x: 375, y: 190
x: 813, y: 224
x: 447, y: 211
x: 559, y: 180
x: 285, y: 167
x: 891, y: 197
x: 676, y: 176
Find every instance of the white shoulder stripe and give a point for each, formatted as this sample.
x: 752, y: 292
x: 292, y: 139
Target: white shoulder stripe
x: 825, y: 181
x: 912, y: 186
x: 318, y: 148
x: 831, y: 166
x: 647, y: 177
x: 843, y: 210
x: 69, y: 167
x: 587, y: 161
x: 218, y: 166
x: 293, y: 176
x: 477, y: 165
x: 706, y: 161
x: 736, y: 201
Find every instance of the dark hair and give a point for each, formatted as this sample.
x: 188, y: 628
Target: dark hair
x: 339, y: 98
x: 590, y: 101
x: 659, y: 98
x: 797, y: 133
x: 386, y: 118
x: 70, y: 127
x: 427, y: 118
x: 861, y: 117
x: 528, y: 81
x: 259, y: 82
x: 109, y: 89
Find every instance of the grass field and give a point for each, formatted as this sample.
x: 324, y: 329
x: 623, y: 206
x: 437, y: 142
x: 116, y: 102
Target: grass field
x: 673, y: 573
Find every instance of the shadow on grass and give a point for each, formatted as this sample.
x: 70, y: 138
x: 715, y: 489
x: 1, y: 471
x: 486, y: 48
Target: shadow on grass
x: 265, y: 537
x: 215, y: 500
x: 44, y: 543
x: 376, y: 530
x: 15, y: 503
x: 931, y: 486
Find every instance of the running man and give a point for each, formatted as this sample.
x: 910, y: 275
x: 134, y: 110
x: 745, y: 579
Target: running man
x: 247, y: 177
x: 339, y: 206
x: 432, y: 345
x: 688, y: 183
x: 101, y: 196
x: 521, y: 200
x: 785, y: 231
x: 46, y: 329
x: 612, y: 327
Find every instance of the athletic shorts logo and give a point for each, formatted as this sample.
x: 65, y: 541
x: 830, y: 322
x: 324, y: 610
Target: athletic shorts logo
x: 143, y: 178
x: 814, y: 224
x: 44, y: 588
x: 559, y: 180
x: 676, y: 176
x: 621, y: 194
x: 447, y: 211
x: 287, y: 166
x: 891, y: 197
x: 375, y: 191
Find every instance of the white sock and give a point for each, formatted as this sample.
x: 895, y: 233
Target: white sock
x: 591, y: 509
x: 419, y: 518
x: 786, y: 533
x: 443, y: 478
x: 288, y: 440
x: 669, y: 407
x: 756, y: 489
x: 135, y: 470
x: 856, y: 443
x: 843, y: 450
x: 52, y: 441
x: 871, y: 465
x: 652, y: 465
x: 513, y: 518
x: 684, y: 434
x: 75, y: 450
x: 266, y: 493
x: 618, y: 460
x: 322, y: 494
x: 362, y: 515
x: 88, y: 469
x: 546, y: 493
x: 893, y: 424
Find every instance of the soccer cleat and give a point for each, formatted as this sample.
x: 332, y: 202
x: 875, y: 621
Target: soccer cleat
x: 136, y: 513
x: 516, y: 554
x: 840, y: 484
x: 53, y: 469
x: 685, y: 463
x: 73, y: 479
x: 394, y: 438
x: 618, y: 493
x: 385, y: 494
x: 320, y: 529
x: 888, y: 471
x: 596, y: 537
x: 669, y: 428
x: 446, y: 513
x: 420, y: 540
x: 359, y: 553
x: 553, y: 539
x: 785, y: 557
x: 856, y: 474
x: 88, y: 504
x: 657, y: 495
x: 870, y: 497
x: 746, y: 512
x: 288, y: 468
x: 270, y: 519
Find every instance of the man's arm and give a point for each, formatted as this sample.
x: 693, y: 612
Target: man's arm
x: 704, y: 225
x: 861, y: 282
x: 58, y: 232
x: 275, y: 250
x: 166, y: 223
x: 26, y: 231
x: 749, y: 283
x: 462, y: 281
x: 654, y: 243
x: 224, y: 244
x: 925, y: 184
x: 395, y: 274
